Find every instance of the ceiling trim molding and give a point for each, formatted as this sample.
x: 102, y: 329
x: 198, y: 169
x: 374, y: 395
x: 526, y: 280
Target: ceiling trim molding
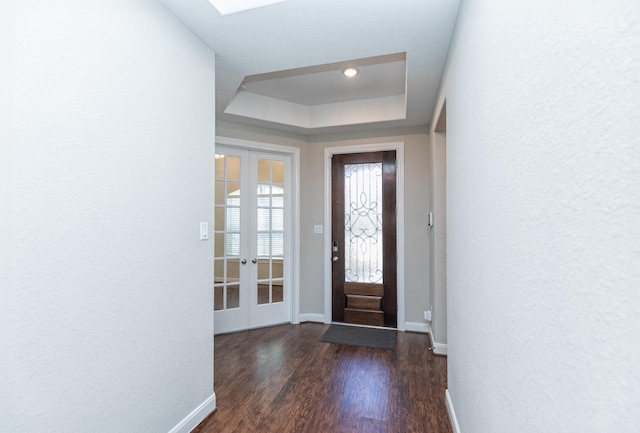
x: 268, y: 109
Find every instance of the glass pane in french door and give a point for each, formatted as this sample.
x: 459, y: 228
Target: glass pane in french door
x: 227, y: 233
x: 270, y: 231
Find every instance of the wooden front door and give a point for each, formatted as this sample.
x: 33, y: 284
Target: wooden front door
x: 364, y: 238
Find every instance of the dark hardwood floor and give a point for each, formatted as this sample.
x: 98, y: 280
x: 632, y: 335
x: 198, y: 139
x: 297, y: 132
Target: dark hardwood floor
x: 282, y: 379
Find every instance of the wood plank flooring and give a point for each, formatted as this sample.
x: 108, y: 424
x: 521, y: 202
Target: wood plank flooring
x: 282, y: 379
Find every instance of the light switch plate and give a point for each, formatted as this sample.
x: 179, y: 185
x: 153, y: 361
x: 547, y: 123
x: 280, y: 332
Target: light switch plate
x: 204, y: 231
x: 317, y: 228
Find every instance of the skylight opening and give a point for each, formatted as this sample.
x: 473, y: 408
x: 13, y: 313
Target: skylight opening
x: 227, y: 7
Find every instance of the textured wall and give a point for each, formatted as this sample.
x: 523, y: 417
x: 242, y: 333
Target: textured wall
x: 542, y: 211
x: 107, y: 172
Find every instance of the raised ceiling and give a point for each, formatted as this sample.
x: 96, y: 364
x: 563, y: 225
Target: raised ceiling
x: 320, y: 97
x: 289, y: 56
x: 326, y: 84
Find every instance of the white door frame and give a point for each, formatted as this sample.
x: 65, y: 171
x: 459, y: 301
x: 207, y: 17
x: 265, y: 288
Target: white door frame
x: 378, y: 147
x: 294, y: 152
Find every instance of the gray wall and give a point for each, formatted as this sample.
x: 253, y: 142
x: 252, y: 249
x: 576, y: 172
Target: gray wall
x: 543, y: 207
x: 416, y: 247
x: 417, y: 181
x: 438, y: 241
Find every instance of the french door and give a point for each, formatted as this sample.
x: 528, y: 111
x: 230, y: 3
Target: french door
x: 252, y: 239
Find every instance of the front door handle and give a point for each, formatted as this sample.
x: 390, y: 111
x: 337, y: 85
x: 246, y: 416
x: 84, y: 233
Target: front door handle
x: 335, y: 258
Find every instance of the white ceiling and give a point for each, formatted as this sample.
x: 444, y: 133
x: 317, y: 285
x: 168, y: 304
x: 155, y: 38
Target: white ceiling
x: 293, y: 51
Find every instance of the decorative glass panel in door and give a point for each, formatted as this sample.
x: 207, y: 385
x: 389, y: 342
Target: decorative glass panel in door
x: 363, y: 222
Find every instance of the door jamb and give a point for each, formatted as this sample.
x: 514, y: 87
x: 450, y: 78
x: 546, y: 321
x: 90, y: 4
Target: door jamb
x: 360, y: 148
x: 294, y: 152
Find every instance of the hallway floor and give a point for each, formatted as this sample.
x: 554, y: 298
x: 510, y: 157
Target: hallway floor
x: 283, y: 379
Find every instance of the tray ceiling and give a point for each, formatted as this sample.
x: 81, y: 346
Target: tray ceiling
x: 279, y: 66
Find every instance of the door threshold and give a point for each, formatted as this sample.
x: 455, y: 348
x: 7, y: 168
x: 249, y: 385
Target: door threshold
x: 360, y: 325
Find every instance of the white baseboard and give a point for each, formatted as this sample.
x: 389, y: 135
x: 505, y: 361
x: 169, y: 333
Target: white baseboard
x: 312, y: 317
x: 194, y: 418
x: 416, y: 327
x: 438, y: 348
x: 452, y: 413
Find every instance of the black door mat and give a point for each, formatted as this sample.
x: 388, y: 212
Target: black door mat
x: 358, y: 336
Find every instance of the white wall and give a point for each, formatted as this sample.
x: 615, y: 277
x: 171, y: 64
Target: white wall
x: 107, y: 172
x: 543, y: 207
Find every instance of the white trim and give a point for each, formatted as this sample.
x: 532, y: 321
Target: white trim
x: 328, y: 153
x: 438, y: 348
x: 452, y: 412
x: 255, y: 145
x: 416, y: 327
x: 295, y: 193
x: 196, y: 416
x: 295, y: 269
x: 312, y: 317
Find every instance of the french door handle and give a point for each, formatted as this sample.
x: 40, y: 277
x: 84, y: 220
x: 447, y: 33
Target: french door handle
x: 243, y: 261
x: 254, y: 261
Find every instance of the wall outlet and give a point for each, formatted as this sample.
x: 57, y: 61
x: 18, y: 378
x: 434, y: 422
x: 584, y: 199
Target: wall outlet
x: 427, y: 315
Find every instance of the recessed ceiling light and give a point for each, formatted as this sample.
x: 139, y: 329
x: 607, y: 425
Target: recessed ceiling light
x: 350, y: 72
x: 226, y: 7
